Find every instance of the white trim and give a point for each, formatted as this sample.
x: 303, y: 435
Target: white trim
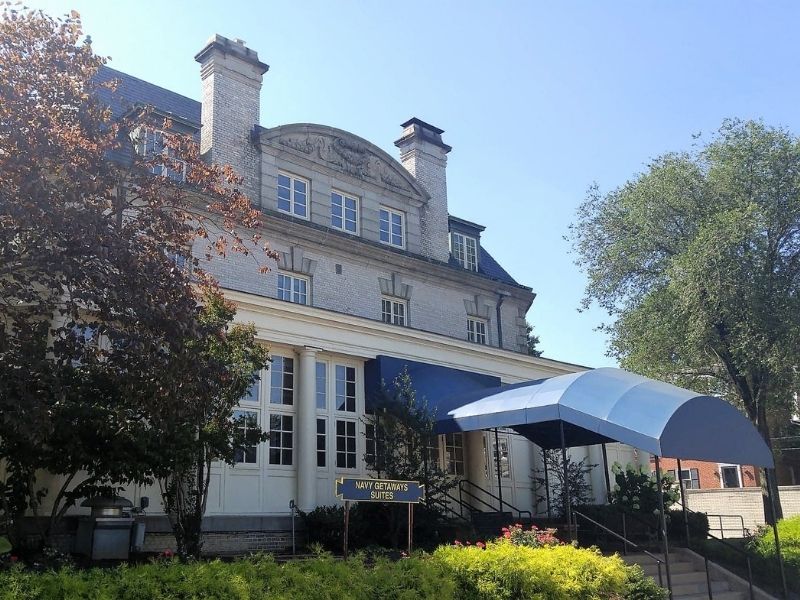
x: 738, y: 468
x: 292, y: 179
x: 299, y: 325
x: 397, y: 213
x: 479, y: 329
x: 460, y: 251
x: 292, y: 277
x: 345, y: 196
x: 395, y: 302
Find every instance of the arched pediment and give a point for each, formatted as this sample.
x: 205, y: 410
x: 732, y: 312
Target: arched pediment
x: 344, y: 152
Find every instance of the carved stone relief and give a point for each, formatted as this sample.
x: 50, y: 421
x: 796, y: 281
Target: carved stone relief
x: 395, y: 287
x: 348, y: 156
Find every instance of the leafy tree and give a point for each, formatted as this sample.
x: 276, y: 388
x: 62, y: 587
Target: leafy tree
x: 95, y: 317
x: 697, y: 260
x: 577, y: 483
x: 404, y: 448
x: 533, y: 341
x: 197, y: 429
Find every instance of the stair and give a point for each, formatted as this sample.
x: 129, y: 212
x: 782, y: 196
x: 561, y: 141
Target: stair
x: 688, y: 580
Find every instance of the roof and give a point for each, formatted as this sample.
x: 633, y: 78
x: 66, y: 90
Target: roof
x: 612, y: 405
x: 132, y: 91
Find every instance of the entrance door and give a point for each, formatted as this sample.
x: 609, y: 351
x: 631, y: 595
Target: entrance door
x: 503, y: 448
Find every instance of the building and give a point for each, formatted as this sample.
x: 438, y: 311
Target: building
x: 374, y: 274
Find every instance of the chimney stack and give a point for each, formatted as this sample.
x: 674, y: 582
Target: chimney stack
x: 231, y: 75
x: 424, y: 155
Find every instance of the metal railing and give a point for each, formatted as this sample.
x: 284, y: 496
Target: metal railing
x: 625, y: 542
x: 740, y: 527
x: 500, y: 502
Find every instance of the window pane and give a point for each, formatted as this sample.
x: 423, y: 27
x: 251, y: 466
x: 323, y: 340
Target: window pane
x: 322, y: 386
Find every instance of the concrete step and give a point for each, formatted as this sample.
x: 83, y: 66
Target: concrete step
x: 717, y: 596
x: 699, y: 587
x: 680, y: 566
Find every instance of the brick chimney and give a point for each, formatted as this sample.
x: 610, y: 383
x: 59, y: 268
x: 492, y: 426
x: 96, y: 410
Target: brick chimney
x: 424, y: 155
x: 231, y: 75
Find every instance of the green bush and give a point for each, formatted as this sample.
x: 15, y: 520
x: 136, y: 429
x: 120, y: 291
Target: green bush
x: 502, y: 571
x: 789, y: 533
x: 505, y: 571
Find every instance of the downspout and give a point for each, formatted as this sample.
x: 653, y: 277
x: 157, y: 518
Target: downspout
x: 501, y: 295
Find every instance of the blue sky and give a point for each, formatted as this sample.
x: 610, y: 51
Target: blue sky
x: 538, y: 99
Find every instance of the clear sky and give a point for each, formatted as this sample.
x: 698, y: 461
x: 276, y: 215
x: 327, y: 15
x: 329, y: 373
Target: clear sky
x: 538, y: 99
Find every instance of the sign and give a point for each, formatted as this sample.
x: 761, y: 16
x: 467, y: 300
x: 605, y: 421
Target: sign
x: 379, y: 490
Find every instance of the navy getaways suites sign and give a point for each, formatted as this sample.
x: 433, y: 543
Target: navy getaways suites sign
x: 379, y: 490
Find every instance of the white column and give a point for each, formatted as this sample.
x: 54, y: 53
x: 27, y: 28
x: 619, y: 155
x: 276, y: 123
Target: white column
x: 306, y: 430
x: 594, y: 455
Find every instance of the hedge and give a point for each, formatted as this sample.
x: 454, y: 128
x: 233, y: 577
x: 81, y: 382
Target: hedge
x: 501, y: 570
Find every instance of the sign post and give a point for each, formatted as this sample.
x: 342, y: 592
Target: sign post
x: 378, y: 490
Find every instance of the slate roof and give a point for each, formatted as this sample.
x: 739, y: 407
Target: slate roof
x: 132, y: 92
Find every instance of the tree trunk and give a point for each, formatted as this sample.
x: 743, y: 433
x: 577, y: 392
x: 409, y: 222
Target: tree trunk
x: 769, y: 485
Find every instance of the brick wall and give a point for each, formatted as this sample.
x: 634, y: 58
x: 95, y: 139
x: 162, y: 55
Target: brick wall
x: 746, y: 502
x: 708, y: 472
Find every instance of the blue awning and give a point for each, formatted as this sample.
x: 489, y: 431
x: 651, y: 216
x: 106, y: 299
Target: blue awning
x: 612, y: 405
x: 442, y: 387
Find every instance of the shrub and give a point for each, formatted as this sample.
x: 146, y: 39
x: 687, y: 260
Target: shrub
x: 637, y: 490
x: 789, y: 533
x: 556, y: 572
x: 532, y: 538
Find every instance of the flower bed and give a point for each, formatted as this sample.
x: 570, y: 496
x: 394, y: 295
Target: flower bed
x: 521, y: 564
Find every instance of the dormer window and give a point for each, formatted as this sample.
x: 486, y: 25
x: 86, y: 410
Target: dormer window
x: 149, y: 142
x: 465, y: 250
x: 293, y: 195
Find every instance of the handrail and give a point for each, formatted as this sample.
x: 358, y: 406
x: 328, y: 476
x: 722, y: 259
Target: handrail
x: 746, y: 554
x: 500, y: 501
x: 626, y: 542
x: 436, y: 498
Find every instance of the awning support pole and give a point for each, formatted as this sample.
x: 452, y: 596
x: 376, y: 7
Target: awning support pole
x: 775, y: 531
x: 605, y: 474
x: 547, y: 485
x: 565, y: 491
x: 497, y: 467
x: 665, y: 541
x: 683, y: 504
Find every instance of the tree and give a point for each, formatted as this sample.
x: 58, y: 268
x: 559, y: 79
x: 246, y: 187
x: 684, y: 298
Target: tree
x: 403, y: 447
x: 577, y: 483
x: 198, y: 429
x: 533, y: 341
x: 95, y: 315
x: 698, y: 261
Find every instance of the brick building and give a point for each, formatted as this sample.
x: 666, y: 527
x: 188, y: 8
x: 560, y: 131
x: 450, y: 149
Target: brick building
x: 699, y: 475
x: 374, y: 271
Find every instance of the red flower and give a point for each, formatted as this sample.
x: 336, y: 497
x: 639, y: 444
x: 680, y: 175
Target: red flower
x: 469, y: 543
x: 507, y: 534
x: 457, y: 543
x: 480, y: 545
x: 13, y: 558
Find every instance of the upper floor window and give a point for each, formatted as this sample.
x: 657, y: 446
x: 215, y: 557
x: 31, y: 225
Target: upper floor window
x: 149, y: 142
x: 476, y: 330
x: 454, y: 453
x: 293, y: 288
x: 691, y: 478
x: 322, y: 385
x: 281, y: 443
x: 394, y: 311
x: 293, y: 195
x: 392, y: 227
x: 465, y: 250
x: 730, y: 476
x: 344, y: 212
x: 345, y: 388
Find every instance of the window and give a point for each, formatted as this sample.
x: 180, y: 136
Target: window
x: 292, y: 288
x: 465, y: 250
x: 454, y: 453
x: 253, y: 392
x: 344, y: 212
x: 281, y: 428
x: 345, y: 444
x: 476, y: 331
x: 293, y: 195
x: 729, y: 474
x: 321, y: 455
x: 282, y: 381
x: 391, y: 227
x: 345, y: 388
x: 691, y: 478
x: 505, y: 467
x: 150, y: 142
x: 369, y: 453
x: 246, y: 421
x: 393, y: 311
x: 322, y: 386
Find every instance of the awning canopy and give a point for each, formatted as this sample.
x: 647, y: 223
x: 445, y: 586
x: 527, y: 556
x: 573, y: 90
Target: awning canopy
x: 435, y: 383
x: 611, y: 405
